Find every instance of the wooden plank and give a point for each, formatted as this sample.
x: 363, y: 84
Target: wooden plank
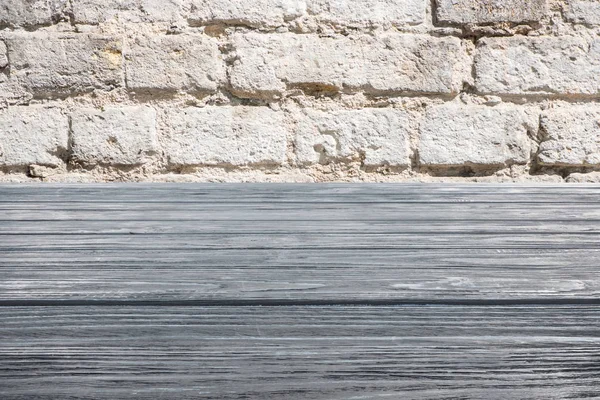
x: 298, y: 242
x: 301, y: 193
x: 332, y: 275
x: 148, y: 292
x: 335, y: 352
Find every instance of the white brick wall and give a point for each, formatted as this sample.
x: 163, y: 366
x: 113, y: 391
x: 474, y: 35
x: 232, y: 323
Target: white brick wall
x: 549, y: 65
x: 379, y: 136
x: 49, y: 63
x: 115, y: 135
x: 268, y: 64
x: 33, y: 135
x: 486, y: 11
x: 174, y: 62
x: 453, y: 135
x: 572, y: 136
x: 226, y: 136
x: 311, y: 90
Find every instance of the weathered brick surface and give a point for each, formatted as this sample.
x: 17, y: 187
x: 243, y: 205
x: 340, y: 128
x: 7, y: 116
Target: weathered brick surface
x: 98, y: 11
x: 226, y: 136
x: 572, y: 136
x: 56, y: 63
x: 115, y: 135
x: 33, y: 135
x: 583, y: 11
x: 268, y: 64
x: 488, y: 11
x: 299, y: 89
x: 255, y: 13
x: 538, y: 65
x: 376, y: 136
x: 31, y: 13
x: 174, y: 62
x: 453, y: 135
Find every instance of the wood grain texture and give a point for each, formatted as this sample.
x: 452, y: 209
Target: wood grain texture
x: 316, y: 243
x: 299, y: 292
x: 335, y: 352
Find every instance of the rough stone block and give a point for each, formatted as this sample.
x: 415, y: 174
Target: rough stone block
x: 269, y: 64
x: 254, y: 13
x: 226, y: 136
x: 538, y: 65
x: 94, y: 12
x: 56, y: 63
x: 33, y: 135
x: 378, y: 136
x: 115, y: 135
x: 572, y: 136
x: 174, y: 62
x: 490, y: 11
x: 31, y: 13
x: 369, y: 12
x: 583, y: 11
x: 270, y: 14
x: 454, y: 135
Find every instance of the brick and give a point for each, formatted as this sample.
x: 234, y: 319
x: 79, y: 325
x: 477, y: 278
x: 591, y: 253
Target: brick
x: 538, y: 65
x: 270, y: 14
x: 94, y: 12
x: 583, y: 11
x: 115, y: 135
x: 269, y: 64
x: 174, y: 62
x: 379, y: 136
x: 572, y: 136
x: 369, y: 12
x: 490, y: 11
x: 33, y: 135
x: 31, y: 13
x: 55, y: 63
x: 226, y: 136
x: 254, y: 13
x: 455, y: 135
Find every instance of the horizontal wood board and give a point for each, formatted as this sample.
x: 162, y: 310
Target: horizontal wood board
x: 334, y: 291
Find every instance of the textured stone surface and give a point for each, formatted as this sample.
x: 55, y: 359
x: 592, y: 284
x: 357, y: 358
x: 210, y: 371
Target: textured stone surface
x: 487, y: 11
x: 310, y: 90
x: 255, y: 13
x: 98, y: 11
x: 572, y: 136
x: 174, y: 62
x: 33, y: 135
x: 268, y: 64
x: 30, y: 13
x: 455, y: 134
x: 57, y: 63
x: 3, y: 55
x: 368, y: 12
x: 583, y: 11
x: 115, y: 135
x: 538, y: 65
x: 226, y: 136
x: 376, y: 136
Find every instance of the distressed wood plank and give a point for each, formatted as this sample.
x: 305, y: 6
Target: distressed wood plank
x: 335, y: 352
x: 297, y: 274
x: 303, y: 193
x: 298, y: 242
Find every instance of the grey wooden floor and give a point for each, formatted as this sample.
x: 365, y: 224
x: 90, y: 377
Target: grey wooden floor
x: 299, y: 292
